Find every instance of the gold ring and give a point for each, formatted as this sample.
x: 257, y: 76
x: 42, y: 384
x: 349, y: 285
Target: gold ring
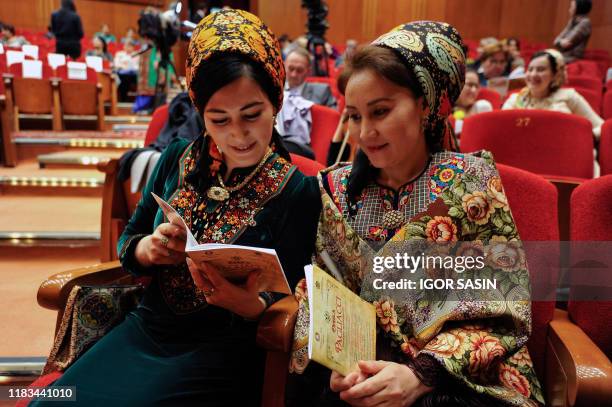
x: 164, y: 241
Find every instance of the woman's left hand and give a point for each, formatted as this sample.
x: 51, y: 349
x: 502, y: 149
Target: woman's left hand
x: 243, y: 300
x: 391, y: 385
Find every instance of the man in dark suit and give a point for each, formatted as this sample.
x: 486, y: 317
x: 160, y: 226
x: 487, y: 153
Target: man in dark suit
x: 297, y: 65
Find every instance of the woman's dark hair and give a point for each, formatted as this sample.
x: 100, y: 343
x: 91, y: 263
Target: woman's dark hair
x: 215, y: 73
x: 69, y: 5
x: 551, y: 60
x: 10, y: 28
x: 583, y: 7
x: 386, y: 63
x: 515, y: 40
x: 104, y: 45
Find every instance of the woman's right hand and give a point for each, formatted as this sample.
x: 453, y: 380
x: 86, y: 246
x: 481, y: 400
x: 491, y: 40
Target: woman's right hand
x: 165, y: 246
x: 339, y: 383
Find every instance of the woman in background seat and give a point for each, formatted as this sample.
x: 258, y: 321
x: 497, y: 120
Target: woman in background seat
x: 545, y: 76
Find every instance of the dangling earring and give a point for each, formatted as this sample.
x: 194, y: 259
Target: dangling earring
x: 213, y: 142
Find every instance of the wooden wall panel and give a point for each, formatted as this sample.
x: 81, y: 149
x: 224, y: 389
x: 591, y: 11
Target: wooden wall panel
x: 283, y: 17
x: 118, y: 16
x: 362, y: 20
x: 474, y: 18
x: 601, y: 16
x: 537, y: 19
x: 36, y: 14
x: 30, y: 14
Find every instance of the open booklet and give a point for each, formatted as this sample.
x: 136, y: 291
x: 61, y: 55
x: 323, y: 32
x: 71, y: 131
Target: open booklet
x: 342, y: 327
x: 234, y: 262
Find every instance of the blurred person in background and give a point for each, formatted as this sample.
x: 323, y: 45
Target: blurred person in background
x: 572, y: 41
x: 67, y: 28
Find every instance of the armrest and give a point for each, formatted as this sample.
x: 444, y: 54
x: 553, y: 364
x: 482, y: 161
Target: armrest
x: 54, y: 291
x: 275, y: 330
x: 578, y: 373
x: 109, y: 166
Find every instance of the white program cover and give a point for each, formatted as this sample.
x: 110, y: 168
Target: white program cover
x: 94, y: 62
x: 14, y: 57
x: 77, y: 70
x: 32, y: 69
x: 30, y: 50
x: 55, y: 60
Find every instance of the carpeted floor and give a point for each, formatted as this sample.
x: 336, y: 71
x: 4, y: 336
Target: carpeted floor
x: 27, y: 328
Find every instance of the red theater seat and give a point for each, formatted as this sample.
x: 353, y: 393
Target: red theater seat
x: 520, y: 187
x: 607, y: 105
x: 605, y: 148
x: 324, y: 123
x: 17, y: 70
x: 591, y: 220
x: 540, y: 141
x: 307, y: 166
x: 62, y: 72
x: 584, y: 68
x: 491, y: 96
x: 158, y: 121
x: 591, y: 96
x: 586, y: 82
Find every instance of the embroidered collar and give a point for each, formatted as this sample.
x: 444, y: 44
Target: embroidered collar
x: 217, y: 222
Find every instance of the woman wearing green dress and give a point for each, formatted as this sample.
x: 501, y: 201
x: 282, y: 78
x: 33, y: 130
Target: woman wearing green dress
x: 409, y: 191
x: 188, y: 345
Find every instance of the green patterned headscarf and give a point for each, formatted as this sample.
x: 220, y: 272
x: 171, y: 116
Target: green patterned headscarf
x: 435, y: 53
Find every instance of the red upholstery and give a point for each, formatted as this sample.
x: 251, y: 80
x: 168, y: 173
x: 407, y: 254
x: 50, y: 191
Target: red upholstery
x: 491, y: 96
x: 591, y: 96
x: 158, y: 121
x: 92, y: 75
x: 607, y: 105
x: 540, y: 141
x: 521, y: 187
x: 17, y: 70
x: 591, y: 220
x: 605, y: 148
x: 587, y: 82
x: 324, y: 123
x: 583, y: 68
x: 42, y: 381
x: 307, y: 166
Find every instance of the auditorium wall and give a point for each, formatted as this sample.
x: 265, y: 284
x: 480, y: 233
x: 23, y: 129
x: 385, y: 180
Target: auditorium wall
x: 363, y: 20
x: 36, y: 14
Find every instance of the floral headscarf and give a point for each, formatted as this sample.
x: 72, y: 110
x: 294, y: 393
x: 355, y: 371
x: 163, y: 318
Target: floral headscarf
x: 436, y: 55
x: 236, y: 31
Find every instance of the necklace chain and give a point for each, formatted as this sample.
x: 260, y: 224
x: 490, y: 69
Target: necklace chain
x: 221, y: 192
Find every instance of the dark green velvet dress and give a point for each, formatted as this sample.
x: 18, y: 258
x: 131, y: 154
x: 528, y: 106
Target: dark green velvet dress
x: 175, y: 349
